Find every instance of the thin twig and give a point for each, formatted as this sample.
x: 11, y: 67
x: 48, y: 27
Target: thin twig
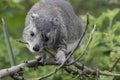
x: 81, y: 38
x: 89, y: 40
x: 50, y: 52
x: 107, y: 73
x: 90, y: 71
x: 114, y: 65
x: 86, y: 47
x: 21, y: 41
x: 46, y: 76
x: 51, y: 73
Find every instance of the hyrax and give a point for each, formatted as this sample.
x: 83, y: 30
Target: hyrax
x: 52, y: 25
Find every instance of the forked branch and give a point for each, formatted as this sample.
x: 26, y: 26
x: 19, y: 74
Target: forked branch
x: 51, y: 61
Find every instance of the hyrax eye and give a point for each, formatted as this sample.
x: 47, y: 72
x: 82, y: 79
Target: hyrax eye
x: 32, y: 34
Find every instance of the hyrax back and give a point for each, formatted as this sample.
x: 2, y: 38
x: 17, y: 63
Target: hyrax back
x: 55, y: 26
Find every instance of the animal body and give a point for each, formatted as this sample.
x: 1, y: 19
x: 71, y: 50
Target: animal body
x: 52, y: 25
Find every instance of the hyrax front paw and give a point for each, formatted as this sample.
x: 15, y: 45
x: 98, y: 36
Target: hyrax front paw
x: 40, y: 59
x: 60, y: 57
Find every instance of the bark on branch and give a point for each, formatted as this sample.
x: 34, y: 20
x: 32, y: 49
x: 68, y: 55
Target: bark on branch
x: 51, y: 61
x: 17, y: 68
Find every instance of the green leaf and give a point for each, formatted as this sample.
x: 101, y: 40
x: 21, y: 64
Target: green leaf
x: 112, y: 13
x: 14, y: 4
x: 109, y: 14
x: 100, y: 20
x: 106, y: 78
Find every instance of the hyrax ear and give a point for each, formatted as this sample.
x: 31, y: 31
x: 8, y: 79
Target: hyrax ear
x: 34, y: 15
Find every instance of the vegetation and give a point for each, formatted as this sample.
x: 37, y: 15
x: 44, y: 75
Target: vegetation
x: 101, y: 54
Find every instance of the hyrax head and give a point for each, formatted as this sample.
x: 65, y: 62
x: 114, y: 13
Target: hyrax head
x: 40, y: 33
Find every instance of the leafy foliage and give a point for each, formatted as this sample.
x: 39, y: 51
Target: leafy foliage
x: 101, y: 54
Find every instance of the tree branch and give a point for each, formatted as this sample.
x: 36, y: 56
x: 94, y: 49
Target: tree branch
x: 51, y: 61
x: 18, y: 68
x: 90, y: 71
x: 80, y: 40
x: 84, y: 50
x: 113, y: 66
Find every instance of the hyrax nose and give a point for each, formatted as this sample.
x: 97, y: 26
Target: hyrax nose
x: 36, y: 48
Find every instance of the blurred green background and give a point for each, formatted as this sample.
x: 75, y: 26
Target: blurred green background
x: 101, y: 54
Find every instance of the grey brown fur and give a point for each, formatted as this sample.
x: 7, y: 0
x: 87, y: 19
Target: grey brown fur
x: 55, y: 26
